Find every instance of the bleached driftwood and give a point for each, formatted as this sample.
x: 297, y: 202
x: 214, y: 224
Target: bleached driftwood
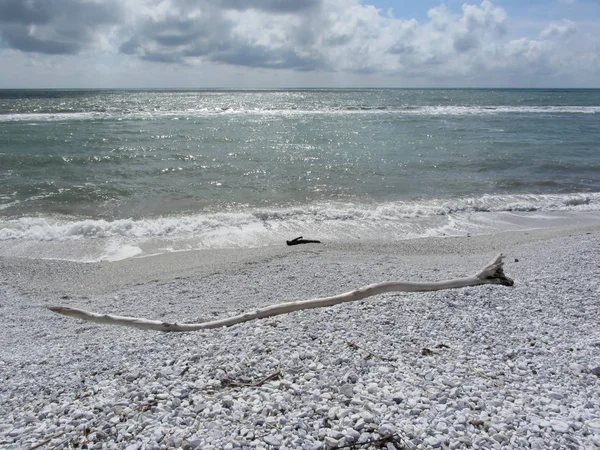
x: 491, y: 274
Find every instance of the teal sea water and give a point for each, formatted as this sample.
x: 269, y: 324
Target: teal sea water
x: 107, y: 174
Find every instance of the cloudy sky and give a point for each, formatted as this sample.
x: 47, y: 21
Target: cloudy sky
x: 297, y: 43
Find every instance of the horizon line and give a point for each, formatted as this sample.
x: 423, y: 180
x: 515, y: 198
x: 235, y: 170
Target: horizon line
x: 233, y: 88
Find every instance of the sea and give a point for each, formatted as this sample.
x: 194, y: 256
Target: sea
x: 93, y: 175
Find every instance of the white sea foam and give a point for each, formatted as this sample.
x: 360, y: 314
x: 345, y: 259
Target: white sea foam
x: 61, y: 228
x: 204, y: 112
x: 117, y: 252
x: 92, y: 240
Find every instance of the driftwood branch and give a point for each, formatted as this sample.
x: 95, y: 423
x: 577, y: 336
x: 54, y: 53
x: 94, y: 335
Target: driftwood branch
x: 301, y: 240
x: 491, y: 274
x: 277, y: 375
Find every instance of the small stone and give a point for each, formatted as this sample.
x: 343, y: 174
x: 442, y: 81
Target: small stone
x: 537, y: 443
x: 337, y: 435
x: 596, y: 371
x: 544, y: 423
x: 352, y: 435
x: 594, y: 425
x: 132, y: 376
x: 193, y: 444
x: 449, y: 383
x: 442, y: 427
x: 500, y: 437
x: 227, y: 401
x: 360, y: 424
x: 16, y: 432
x: 174, y: 442
x: 465, y: 440
x: 372, y: 388
x: 432, y: 441
x: 397, y: 397
x: 367, y: 416
x: 553, y: 408
x: 347, y: 390
x: 342, y: 413
x: 351, y: 377
x: 387, y: 429
x: 332, y: 414
x: 560, y: 426
x: 576, y: 426
x: 331, y: 442
x: 272, y: 440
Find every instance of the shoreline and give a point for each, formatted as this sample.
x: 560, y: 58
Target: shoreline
x: 88, y: 241
x: 96, y: 278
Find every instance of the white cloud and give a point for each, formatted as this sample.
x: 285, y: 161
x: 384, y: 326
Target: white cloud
x: 559, y: 30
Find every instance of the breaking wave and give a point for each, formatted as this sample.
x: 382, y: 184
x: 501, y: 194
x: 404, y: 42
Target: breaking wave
x: 335, y: 216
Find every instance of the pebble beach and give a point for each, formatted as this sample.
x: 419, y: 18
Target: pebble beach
x: 487, y: 367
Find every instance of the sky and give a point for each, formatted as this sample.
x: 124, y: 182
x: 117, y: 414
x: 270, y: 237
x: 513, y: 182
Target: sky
x: 299, y: 43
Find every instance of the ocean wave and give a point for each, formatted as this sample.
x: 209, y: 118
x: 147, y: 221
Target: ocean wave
x: 405, y: 110
x: 349, y: 216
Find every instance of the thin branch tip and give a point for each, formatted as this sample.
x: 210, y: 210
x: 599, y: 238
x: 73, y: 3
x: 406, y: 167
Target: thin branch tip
x: 64, y: 310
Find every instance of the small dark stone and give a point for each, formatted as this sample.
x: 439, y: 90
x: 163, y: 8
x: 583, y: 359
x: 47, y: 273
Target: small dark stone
x: 397, y: 398
x: 596, y: 371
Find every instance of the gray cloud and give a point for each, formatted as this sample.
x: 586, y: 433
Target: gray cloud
x: 175, y: 38
x: 275, y: 6
x: 200, y: 30
x: 175, y: 33
x: 25, y: 13
x: 55, y: 26
x: 465, y: 42
x: 18, y: 38
x: 161, y: 57
x: 263, y: 57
